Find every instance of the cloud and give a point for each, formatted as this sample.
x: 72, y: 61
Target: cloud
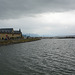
x: 50, y: 17
x: 49, y: 23
x: 20, y: 8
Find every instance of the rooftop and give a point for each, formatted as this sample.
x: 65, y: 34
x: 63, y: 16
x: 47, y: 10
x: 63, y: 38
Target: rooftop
x: 9, y: 30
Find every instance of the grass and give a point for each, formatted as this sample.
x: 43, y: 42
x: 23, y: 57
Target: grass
x: 6, y: 42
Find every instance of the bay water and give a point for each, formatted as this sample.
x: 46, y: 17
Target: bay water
x: 42, y: 57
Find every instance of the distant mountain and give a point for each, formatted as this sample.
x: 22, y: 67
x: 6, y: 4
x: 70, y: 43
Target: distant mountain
x: 36, y: 35
x: 31, y: 35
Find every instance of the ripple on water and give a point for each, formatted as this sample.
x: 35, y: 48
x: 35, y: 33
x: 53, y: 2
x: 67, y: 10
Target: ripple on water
x: 43, y: 57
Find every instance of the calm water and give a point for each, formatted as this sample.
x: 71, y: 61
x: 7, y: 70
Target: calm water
x: 43, y: 57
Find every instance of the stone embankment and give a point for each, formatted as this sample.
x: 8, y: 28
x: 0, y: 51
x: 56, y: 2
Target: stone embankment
x: 7, y: 42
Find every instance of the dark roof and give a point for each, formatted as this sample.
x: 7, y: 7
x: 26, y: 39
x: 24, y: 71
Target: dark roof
x: 6, y: 30
x: 17, y: 32
x: 9, y: 30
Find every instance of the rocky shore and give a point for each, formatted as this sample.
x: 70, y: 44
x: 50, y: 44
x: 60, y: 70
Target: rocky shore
x: 7, y: 42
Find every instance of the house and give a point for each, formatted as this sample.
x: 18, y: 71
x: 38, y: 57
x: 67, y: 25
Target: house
x: 8, y: 33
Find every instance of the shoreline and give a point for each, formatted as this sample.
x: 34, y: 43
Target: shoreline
x: 8, y: 42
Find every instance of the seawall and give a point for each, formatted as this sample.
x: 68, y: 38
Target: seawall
x: 7, y: 42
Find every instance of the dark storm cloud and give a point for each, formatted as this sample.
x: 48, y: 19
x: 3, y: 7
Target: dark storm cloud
x: 19, y: 8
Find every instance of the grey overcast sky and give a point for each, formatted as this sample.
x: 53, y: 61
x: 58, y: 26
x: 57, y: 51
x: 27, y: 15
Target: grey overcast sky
x: 43, y: 17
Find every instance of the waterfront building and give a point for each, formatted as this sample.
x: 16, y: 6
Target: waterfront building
x: 8, y: 33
